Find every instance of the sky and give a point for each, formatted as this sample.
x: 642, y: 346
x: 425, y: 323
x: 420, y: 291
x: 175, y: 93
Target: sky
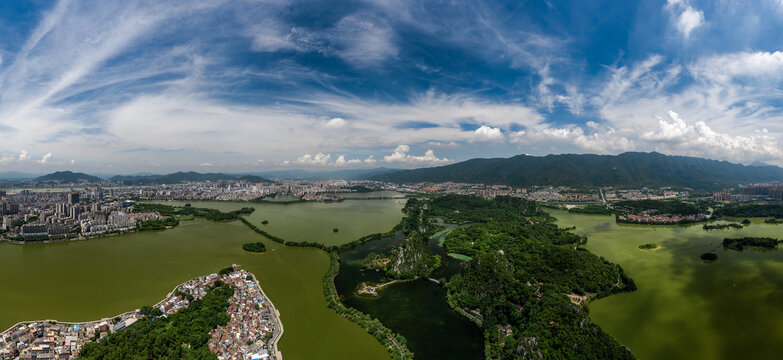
x: 253, y: 85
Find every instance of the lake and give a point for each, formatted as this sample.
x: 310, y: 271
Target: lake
x: 87, y: 280
x: 685, y: 308
x: 315, y: 221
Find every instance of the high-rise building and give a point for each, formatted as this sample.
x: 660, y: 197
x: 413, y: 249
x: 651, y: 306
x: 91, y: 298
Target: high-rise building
x: 73, y: 197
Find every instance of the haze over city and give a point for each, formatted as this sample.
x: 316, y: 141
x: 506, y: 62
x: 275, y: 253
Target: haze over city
x: 157, y: 86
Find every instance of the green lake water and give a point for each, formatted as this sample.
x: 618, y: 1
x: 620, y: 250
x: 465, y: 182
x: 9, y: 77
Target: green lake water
x: 315, y: 221
x: 88, y: 280
x: 685, y: 308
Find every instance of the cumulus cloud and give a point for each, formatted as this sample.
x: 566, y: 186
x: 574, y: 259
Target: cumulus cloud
x: 205, y: 164
x: 341, y: 161
x: 370, y: 160
x: 601, y: 141
x: 400, y: 154
x: 45, y: 159
x: 23, y: 156
x: 488, y: 134
x: 679, y: 137
x: 685, y: 17
x: 336, y: 123
x: 319, y: 159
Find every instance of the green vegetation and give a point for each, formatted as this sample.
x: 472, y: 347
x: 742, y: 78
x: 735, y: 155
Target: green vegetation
x: 773, y: 221
x: 709, y: 256
x: 520, y: 266
x: 722, y: 226
x: 209, y: 214
x: 161, y: 224
x: 264, y: 222
x: 648, y: 246
x: 633, y: 169
x: 746, y: 222
x: 335, y: 230
x: 254, y: 247
x: 375, y: 261
x: 226, y: 270
x: 751, y: 210
x: 661, y: 207
x: 394, y: 343
x: 183, y: 335
x: 740, y: 243
x: 591, y: 209
x: 180, y: 177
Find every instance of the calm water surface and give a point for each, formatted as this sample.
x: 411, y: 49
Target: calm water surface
x: 315, y: 221
x: 417, y: 309
x: 87, y: 280
x: 685, y: 308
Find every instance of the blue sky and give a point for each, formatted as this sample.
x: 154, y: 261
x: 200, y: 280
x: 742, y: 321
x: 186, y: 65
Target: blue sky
x: 241, y: 85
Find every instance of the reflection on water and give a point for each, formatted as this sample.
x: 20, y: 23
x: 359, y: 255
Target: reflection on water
x: 415, y: 309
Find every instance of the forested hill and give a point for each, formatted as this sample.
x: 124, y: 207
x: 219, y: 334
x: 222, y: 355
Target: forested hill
x: 68, y: 177
x: 631, y: 168
x: 180, y: 177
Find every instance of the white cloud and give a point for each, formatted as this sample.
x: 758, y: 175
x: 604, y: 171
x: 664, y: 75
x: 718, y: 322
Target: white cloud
x: 205, y: 164
x: 370, y: 160
x: 685, y: 17
x: 320, y: 159
x: 668, y: 131
x: 758, y: 66
x: 336, y: 123
x: 602, y: 141
x: 23, y: 156
x: 679, y: 137
x: 400, y: 154
x: 363, y: 41
x: 488, y: 134
x: 45, y: 159
x: 342, y: 162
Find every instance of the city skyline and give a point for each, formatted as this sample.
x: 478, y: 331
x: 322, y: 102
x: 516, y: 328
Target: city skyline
x: 251, y: 86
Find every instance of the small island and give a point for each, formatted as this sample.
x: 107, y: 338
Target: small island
x: 648, y: 246
x: 709, y: 257
x: 722, y: 226
x: 256, y: 247
x: 739, y: 244
x: 773, y: 220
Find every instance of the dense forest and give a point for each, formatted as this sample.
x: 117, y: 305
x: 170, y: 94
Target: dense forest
x: 751, y: 210
x: 661, y: 207
x: 515, y: 284
x: 412, y: 258
x: 635, y: 169
x: 209, y: 214
x: 254, y: 247
x: 183, y: 335
x: 591, y: 209
x: 740, y: 243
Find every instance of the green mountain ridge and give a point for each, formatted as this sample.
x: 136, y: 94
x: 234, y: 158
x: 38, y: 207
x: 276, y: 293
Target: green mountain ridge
x: 181, y: 176
x: 68, y: 177
x: 630, y: 168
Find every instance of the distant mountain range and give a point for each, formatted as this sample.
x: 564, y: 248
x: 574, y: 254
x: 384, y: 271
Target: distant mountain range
x: 631, y: 168
x: 347, y: 174
x: 68, y: 177
x: 15, y: 175
x: 180, y: 177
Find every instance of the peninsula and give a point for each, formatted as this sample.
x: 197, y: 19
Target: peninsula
x: 221, y: 315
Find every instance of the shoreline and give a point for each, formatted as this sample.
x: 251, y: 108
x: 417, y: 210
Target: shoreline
x: 272, y: 344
